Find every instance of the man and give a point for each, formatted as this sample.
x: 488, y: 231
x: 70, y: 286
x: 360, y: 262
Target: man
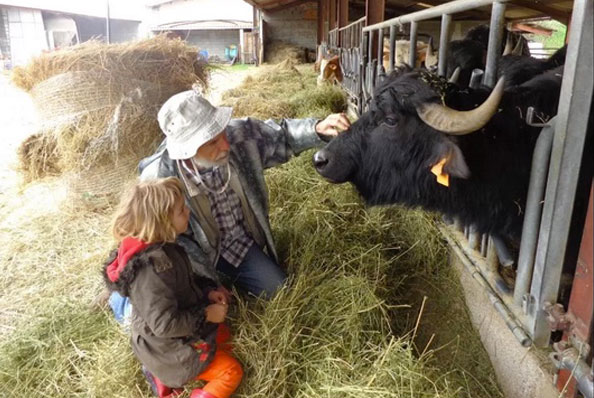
x: 221, y: 163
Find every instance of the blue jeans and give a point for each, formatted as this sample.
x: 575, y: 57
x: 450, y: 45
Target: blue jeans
x: 257, y: 274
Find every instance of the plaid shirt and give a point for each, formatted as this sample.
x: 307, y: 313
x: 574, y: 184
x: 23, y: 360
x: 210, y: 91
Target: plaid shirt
x: 226, y: 210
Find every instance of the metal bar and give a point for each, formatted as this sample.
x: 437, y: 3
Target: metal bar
x: 475, y: 78
x: 362, y: 19
x: 536, y: 188
x: 392, y: 47
x: 570, y: 359
x: 498, y: 304
x: 380, y: 52
x: 568, y: 146
x: 473, y: 238
x: 495, y: 36
x: 444, y: 38
x: 503, y: 254
x: 451, y: 7
x: 412, y: 56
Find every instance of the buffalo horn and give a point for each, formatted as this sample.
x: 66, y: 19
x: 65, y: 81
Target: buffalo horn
x: 429, y: 54
x: 455, y: 75
x: 518, y: 48
x: 509, y: 45
x: 451, y: 121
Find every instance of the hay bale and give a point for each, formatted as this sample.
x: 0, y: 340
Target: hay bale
x: 160, y: 60
x: 98, y: 102
x: 279, y: 51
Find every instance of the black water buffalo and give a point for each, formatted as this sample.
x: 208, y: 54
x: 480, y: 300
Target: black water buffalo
x: 471, y: 52
x: 419, y: 127
x: 521, y: 68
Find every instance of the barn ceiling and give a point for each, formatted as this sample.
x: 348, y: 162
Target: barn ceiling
x: 515, y: 10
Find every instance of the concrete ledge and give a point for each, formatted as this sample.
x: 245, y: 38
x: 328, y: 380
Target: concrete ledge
x: 521, y: 372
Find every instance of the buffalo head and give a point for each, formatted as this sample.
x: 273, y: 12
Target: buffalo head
x: 394, y: 152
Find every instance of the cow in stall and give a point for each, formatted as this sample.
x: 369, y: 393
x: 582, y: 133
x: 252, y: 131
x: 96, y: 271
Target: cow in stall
x: 330, y: 70
x: 425, y: 143
x: 470, y: 53
x: 521, y: 68
x: 425, y: 54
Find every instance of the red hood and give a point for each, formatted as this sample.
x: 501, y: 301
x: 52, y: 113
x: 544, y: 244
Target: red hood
x: 128, y: 248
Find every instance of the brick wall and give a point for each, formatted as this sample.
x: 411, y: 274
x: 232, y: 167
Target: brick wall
x: 296, y: 25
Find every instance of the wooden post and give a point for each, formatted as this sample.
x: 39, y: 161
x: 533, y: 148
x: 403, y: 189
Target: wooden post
x: 332, y: 15
x: 322, y: 16
x: 374, y: 10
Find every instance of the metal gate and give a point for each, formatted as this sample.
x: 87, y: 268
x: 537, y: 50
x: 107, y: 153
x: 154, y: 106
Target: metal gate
x: 530, y: 309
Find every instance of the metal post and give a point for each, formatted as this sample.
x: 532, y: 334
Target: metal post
x: 568, y: 147
x: 495, y: 36
x: 412, y: 57
x: 444, y: 38
x: 475, y: 78
x: 107, y: 24
x: 392, y: 47
x: 536, y: 187
x: 380, y: 53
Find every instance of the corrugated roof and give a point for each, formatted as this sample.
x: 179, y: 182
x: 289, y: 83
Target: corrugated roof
x: 216, y: 24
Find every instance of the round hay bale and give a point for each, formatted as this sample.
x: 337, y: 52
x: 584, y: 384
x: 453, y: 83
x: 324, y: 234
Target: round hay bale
x: 38, y: 157
x: 98, y: 102
x: 102, y: 180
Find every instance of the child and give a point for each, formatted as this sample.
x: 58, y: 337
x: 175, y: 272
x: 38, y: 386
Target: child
x: 177, y: 318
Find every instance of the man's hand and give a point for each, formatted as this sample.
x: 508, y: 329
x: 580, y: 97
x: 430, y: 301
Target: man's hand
x: 216, y: 313
x: 333, y: 124
x: 221, y: 295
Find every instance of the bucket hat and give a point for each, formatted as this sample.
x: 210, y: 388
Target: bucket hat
x: 189, y: 120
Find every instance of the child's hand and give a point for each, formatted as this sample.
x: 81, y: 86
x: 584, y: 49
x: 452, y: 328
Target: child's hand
x: 216, y: 313
x: 217, y: 297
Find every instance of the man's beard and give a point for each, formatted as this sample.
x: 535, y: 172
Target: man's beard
x: 221, y: 160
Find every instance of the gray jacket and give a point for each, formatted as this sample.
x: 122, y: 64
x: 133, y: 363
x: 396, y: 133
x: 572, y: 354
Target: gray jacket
x: 255, y: 145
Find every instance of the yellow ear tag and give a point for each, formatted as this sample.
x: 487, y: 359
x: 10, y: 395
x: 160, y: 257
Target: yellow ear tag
x: 437, y: 169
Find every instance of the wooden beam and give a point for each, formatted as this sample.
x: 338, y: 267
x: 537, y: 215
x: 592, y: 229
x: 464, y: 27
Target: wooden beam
x: 332, y: 15
x: 375, y: 10
x: 343, y: 13
x: 538, y: 6
x: 287, y: 4
x: 532, y: 29
x: 321, y: 5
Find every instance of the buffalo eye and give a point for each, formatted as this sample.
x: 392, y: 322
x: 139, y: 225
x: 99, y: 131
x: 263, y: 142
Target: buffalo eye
x: 391, y: 121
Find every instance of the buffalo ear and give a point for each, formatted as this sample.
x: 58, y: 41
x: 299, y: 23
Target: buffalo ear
x: 455, y: 165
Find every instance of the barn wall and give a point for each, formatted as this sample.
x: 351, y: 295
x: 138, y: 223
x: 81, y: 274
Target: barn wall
x: 26, y: 34
x: 296, y: 25
x: 214, y: 41
x: 94, y: 28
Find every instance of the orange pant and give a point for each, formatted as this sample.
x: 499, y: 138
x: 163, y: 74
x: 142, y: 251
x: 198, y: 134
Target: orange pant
x: 223, y: 374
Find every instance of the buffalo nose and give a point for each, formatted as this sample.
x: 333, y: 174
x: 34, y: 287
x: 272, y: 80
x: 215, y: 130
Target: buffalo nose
x: 320, y: 159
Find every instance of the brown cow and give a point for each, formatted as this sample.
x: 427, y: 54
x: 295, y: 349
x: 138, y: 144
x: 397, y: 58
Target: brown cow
x: 330, y: 70
x: 425, y: 54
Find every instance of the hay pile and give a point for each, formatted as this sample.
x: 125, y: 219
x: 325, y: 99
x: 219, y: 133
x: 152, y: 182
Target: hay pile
x: 279, y: 51
x: 338, y: 330
x: 98, y: 102
x: 285, y: 90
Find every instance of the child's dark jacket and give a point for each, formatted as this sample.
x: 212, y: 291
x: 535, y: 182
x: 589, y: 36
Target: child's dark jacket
x: 168, y: 312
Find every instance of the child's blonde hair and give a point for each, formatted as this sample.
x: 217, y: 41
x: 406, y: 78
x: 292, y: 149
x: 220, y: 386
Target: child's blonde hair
x: 145, y: 212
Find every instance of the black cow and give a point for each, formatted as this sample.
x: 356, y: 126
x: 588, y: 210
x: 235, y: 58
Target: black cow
x: 471, y: 52
x: 518, y: 69
x: 392, y: 152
